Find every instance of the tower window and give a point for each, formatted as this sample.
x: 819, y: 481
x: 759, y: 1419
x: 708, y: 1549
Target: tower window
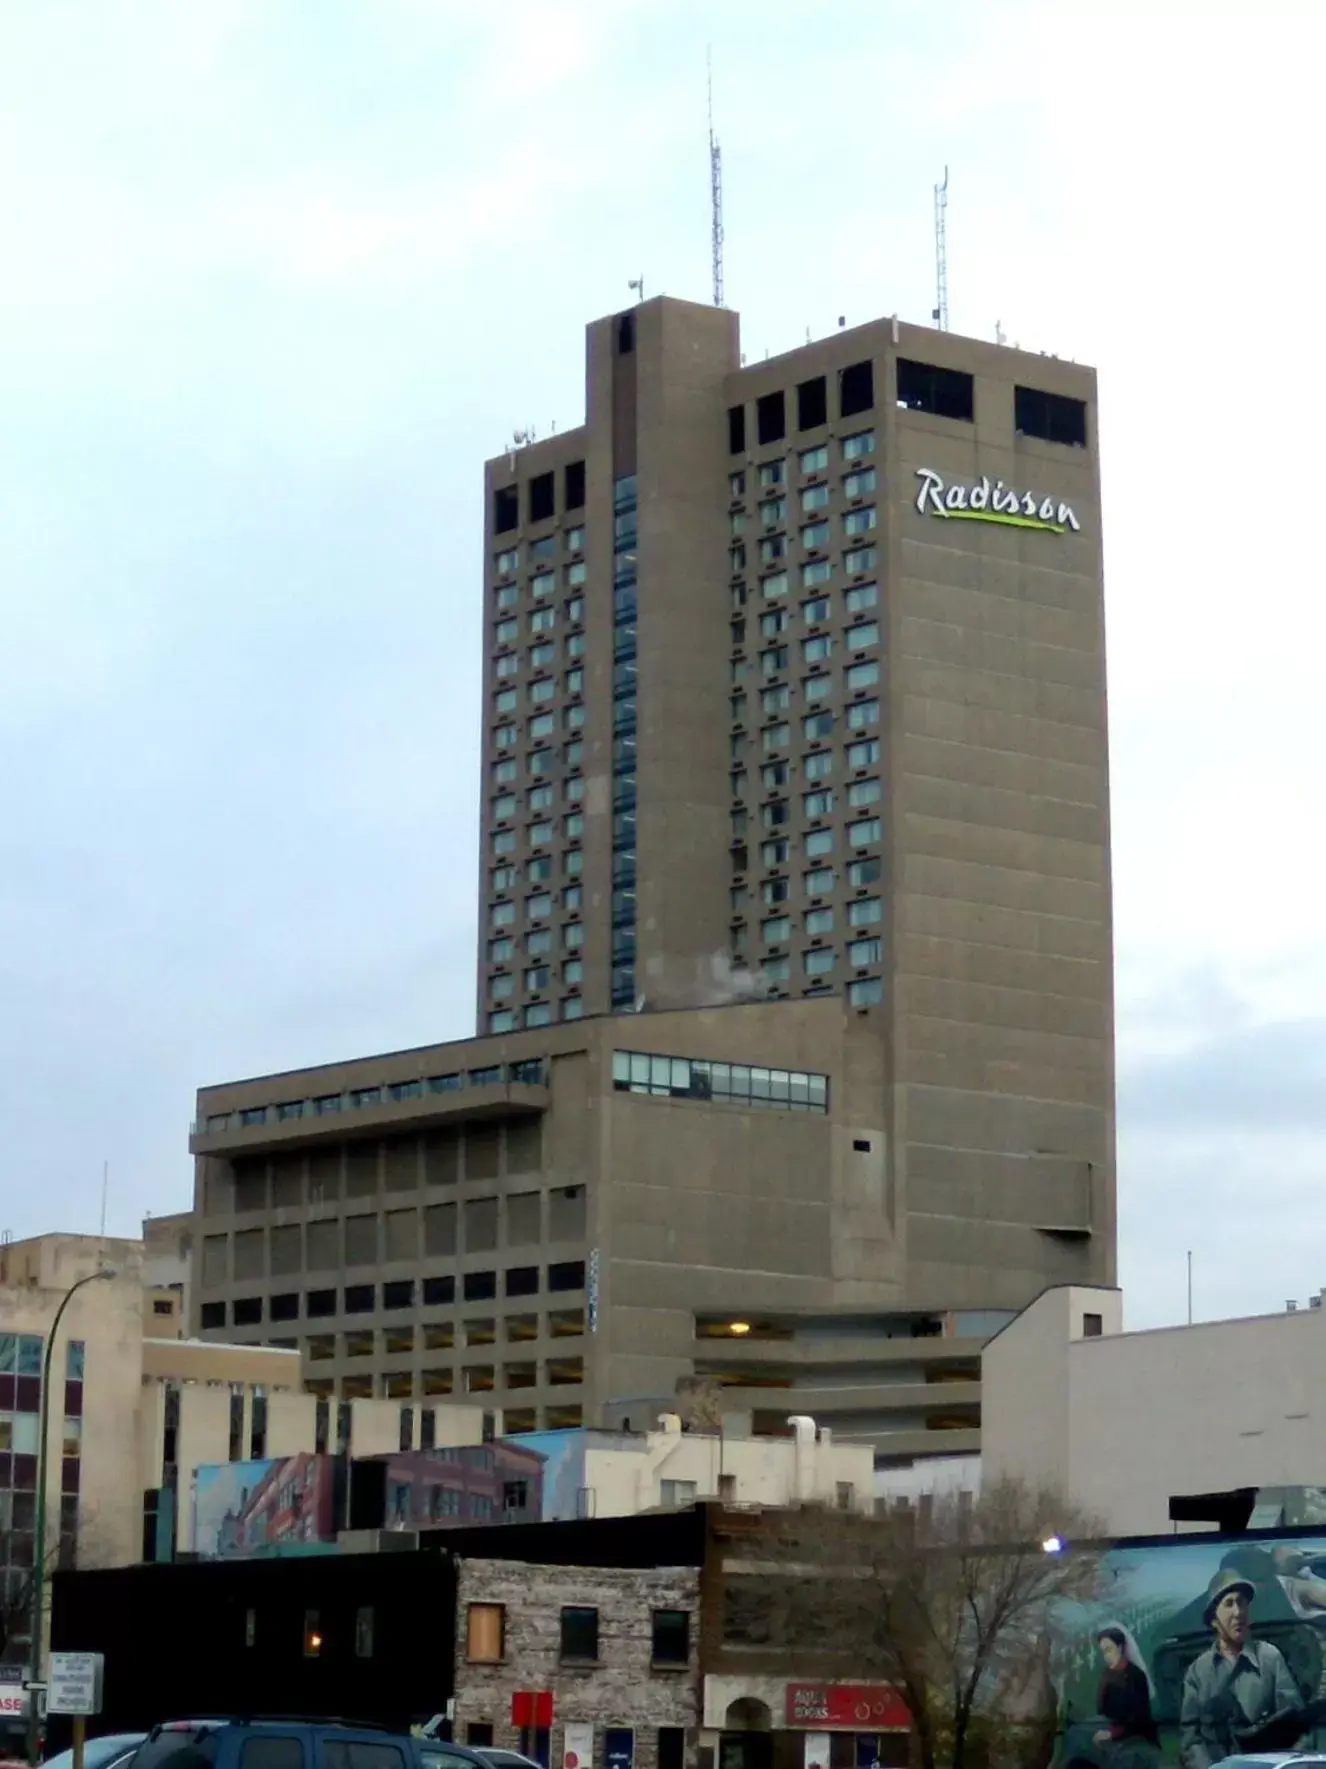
x: 771, y: 417
x: 1050, y: 416
x: 626, y: 334
x: 573, y: 486
x: 947, y: 393
x: 856, y: 388
x: 506, y: 509
x: 812, y: 404
x: 541, y: 497
x: 736, y: 429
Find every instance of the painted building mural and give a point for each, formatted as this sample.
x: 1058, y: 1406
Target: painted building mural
x: 1194, y: 1651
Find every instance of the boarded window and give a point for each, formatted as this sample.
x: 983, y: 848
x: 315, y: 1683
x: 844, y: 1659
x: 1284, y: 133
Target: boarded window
x: 524, y: 1224
x: 324, y: 1250
x: 524, y: 1146
x: 485, y: 1628
x: 439, y: 1229
x: 400, y: 1159
x: 480, y: 1225
x: 441, y: 1158
x: 482, y: 1146
x: 361, y: 1240
x: 215, y: 1264
x: 361, y: 1170
x: 566, y: 1213
x: 402, y: 1239
x: 249, y: 1254
x: 285, y: 1251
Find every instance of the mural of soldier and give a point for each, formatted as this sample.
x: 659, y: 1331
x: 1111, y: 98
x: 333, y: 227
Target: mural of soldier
x: 1238, y: 1695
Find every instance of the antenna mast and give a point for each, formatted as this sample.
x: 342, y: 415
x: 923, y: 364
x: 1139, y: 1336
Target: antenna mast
x: 715, y: 189
x: 941, y: 254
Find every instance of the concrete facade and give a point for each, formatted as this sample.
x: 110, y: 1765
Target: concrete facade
x: 562, y: 1225
x: 768, y: 712
x: 1217, y: 1406
x: 627, y: 1685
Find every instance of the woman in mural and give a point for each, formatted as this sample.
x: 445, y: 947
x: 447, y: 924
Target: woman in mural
x: 1131, y: 1740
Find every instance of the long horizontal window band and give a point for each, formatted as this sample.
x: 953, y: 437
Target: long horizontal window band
x: 785, y: 1090
x: 527, y: 1073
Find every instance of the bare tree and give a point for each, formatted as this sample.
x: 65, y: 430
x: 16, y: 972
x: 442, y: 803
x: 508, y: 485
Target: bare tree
x: 700, y: 1403
x: 950, y: 1602
x: 89, y: 1549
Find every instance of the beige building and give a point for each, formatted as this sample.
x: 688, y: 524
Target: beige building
x: 795, y: 737
x: 134, y: 1415
x: 794, y: 683
x: 562, y: 1225
x: 1123, y: 1423
x: 669, y: 1467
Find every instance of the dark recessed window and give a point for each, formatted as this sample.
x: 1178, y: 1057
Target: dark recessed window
x: 812, y: 404
x: 1093, y: 1325
x: 573, y: 485
x: 580, y: 1634
x: 569, y: 1275
x: 1050, y: 416
x: 438, y: 1292
x: 861, y: 1144
x: 626, y: 334
x: 671, y: 1747
x: 672, y: 1637
x: 522, y: 1280
x: 163, y: 1307
x: 541, y: 497
x: 947, y: 393
x: 319, y: 1303
x: 771, y: 417
x: 506, y: 509
x: 479, y: 1286
x: 360, y: 1298
x: 856, y: 388
x: 212, y: 1314
x: 736, y: 429
x: 284, y: 1307
x: 399, y: 1294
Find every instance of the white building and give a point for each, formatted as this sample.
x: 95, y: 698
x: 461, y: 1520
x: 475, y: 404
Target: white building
x: 1123, y: 1423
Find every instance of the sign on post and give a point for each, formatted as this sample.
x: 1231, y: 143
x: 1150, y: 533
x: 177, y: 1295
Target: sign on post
x: 74, y: 1685
x: 13, y: 1694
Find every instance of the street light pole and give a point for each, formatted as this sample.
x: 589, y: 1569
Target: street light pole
x: 38, y: 1624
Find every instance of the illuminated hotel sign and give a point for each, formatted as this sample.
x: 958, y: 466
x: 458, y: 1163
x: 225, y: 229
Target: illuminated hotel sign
x: 984, y: 502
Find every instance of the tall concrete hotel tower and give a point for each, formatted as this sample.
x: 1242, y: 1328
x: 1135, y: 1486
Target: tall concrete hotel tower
x: 795, y: 970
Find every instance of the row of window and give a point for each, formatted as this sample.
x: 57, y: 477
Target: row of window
x: 507, y: 560
x: 817, y: 765
x: 529, y: 1073
x: 819, y: 882
x: 542, y: 834
x: 815, y: 843
x: 536, y: 1014
x: 487, y: 1641
x: 815, y: 649
x: 857, y: 677
x: 625, y: 592
x: 777, y: 813
x: 563, y: 1372
x: 857, y: 483
x: 540, y: 656
x: 814, y: 536
x: 730, y: 1083
x: 514, y: 1329
x: 860, y: 715
x: 863, y: 912
x: 815, y: 611
x: 856, y: 562
x: 539, y: 727
x: 564, y: 1277
x: 856, y: 393
x: 540, y: 498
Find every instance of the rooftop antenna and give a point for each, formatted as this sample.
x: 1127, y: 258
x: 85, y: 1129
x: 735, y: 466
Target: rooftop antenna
x: 105, y: 1188
x: 715, y: 189
x: 637, y: 283
x: 1001, y: 336
x: 941, y: 254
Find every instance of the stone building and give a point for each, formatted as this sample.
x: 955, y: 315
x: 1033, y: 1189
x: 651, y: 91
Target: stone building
x: 615, y: 1647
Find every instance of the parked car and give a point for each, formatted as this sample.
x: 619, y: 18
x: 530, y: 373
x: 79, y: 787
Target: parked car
x: 112, y: 1751
x: 1274, y: 1760
x: 307, y: 1744
x: 439, y: 1753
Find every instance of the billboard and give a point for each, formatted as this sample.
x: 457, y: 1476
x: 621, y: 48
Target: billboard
x: 285, y: 1504
x: 1194, y: 1651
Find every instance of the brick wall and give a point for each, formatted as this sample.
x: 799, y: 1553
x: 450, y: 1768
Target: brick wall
x: 623, y: 1689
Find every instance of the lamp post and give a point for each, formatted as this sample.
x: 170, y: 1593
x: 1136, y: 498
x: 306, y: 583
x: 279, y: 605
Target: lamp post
x: 39, y: 1554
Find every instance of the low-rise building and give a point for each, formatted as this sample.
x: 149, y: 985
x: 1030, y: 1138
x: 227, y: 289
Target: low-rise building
x: 1133, y: 1427
x: 611, y: 1649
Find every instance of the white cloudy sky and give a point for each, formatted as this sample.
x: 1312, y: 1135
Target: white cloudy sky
x: 278, y: 276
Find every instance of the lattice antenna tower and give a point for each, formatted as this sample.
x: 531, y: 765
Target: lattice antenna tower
x: 941, y: 254
x: 715, y: 190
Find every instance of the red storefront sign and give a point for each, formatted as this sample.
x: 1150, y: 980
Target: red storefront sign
x: 532, y: 1709
x: 856, y: 1707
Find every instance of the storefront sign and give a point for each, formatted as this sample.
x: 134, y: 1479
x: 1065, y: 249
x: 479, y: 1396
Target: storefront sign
x: 986, y: 502
x: 578, y: 1745
x: 855, y: 1707
x: 532, y: 1709
x: 818, y: 1747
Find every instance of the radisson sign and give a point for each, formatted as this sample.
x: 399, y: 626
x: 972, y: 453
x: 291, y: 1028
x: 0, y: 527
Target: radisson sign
x: 984, y: 502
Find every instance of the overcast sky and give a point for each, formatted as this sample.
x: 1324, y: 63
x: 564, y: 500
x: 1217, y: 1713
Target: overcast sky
x: 277, y: 277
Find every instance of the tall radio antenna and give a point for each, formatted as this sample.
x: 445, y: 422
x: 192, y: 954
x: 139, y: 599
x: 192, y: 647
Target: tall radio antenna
x: 715, y: 188
x: 941, y: 254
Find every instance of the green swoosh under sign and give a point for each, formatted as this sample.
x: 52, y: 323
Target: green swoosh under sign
x: 1003, y: 521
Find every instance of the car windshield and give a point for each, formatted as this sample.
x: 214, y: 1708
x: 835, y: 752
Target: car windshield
x: 503, y: 1759
x: 183, y: 1744
x: 100, y: 1753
